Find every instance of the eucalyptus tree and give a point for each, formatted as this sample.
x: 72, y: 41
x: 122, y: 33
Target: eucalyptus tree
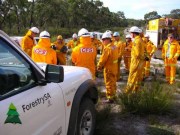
x: 51, y: 13
x: 4, y: 11
x: 12, y: 12
x: 151, y: 15
x: 175, y: 13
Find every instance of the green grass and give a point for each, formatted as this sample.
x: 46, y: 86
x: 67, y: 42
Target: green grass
x: 151, y: 99
x: 178, y: 72
x: 159, y: 130
x: 178, y: 84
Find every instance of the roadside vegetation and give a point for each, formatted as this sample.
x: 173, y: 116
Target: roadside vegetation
x: 154, y: 110
x: 67, y: 16
x: 152, y: 98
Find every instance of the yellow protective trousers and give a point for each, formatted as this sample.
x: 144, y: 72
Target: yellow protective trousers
x: 170, y: 70
x: 118, y: 69
x: 135, y: 75
x: 109, y: 61
x: 137, y: 65
x: 120, y: 45
x: 127, y: 55
x: 127, y: 62
x: 147, y: 68
x: 110, y: 81
x: 170, y: 53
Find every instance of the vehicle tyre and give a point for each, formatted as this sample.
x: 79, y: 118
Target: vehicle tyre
x: 86, y: 118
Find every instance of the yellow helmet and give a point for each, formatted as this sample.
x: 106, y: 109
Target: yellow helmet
x: 59, y: 37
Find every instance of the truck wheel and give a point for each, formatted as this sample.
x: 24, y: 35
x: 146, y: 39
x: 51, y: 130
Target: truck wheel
x: 86, y: 118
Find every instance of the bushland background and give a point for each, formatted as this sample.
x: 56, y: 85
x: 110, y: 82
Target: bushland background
x: 66, y: 17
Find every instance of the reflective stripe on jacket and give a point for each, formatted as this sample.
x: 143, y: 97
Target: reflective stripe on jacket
x: 171, y: 50
x: 109, y: 59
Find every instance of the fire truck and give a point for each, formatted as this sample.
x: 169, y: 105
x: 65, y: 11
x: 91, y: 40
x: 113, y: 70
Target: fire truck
x: 158, y: 29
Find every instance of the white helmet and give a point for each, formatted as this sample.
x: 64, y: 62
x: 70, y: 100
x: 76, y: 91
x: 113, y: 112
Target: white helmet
x: 116, y: 34
x: 92, y: 34
x: 128, y: 36
x: 140, y: 30
x: 146, y: 35
x: 135, y: 29
x: 83, y: 32
x: 109, y: 31
x: 44, y: 34
x: 106, y: 35
x: 34, y: 29
x: 74, y: 35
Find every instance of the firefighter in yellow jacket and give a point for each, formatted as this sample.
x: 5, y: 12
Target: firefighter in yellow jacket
x: 43, y: 52
x: 109, y: 62
x: 96, y: 42
x: 170, y: 54
x: 84, y: 54
x: 73, y: 42
x: 150, y: 50
x: 137, y: 61
x: 27, y: 42
x: 61, y: 50
x: 127, y: 52
x: 120, y: 45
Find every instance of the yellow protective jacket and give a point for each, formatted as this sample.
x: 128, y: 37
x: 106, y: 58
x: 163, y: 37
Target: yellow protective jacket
x: 150, y: 48
x: 120, y: 45
x: 171, y: 50
x: 97, y: 43
x: 84, y: 55
x: 109, y: 59
x: 137, y: 64
x: 43, y: 53
x: 61, y: 56
x: 27, y: 43
x: 72, y: 43
x: 138, y: 48
x: 127, y: 49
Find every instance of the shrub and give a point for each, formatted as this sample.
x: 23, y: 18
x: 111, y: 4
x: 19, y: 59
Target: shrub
x: 178, y: 72
x: 152, y: 99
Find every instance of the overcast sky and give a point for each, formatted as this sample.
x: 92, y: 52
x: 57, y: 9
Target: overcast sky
x: 138, y: 8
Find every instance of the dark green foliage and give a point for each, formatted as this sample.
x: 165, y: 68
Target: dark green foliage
x: 159, y: 131
x: 19, y: 15
x: 178, y: 72
x: 152, y: 99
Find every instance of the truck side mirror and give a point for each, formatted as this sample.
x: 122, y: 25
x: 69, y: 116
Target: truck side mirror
x: 54, y: 73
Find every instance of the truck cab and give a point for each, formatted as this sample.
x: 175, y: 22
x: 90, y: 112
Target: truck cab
x: 158, y: 29
x: 43, y: 99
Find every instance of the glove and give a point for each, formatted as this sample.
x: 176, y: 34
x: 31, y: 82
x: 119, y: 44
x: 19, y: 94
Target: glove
x: 64, y: 49
x: 53, y: 47
x: 146, y: 58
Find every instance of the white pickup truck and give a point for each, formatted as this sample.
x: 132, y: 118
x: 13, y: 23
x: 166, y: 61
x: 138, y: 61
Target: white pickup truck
x: 43, y: 100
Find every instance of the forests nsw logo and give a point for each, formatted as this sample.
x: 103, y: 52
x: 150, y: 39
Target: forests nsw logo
x: 12, y: 115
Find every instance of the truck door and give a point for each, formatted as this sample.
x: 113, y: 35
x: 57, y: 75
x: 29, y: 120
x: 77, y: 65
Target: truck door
x: 25, y: 107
